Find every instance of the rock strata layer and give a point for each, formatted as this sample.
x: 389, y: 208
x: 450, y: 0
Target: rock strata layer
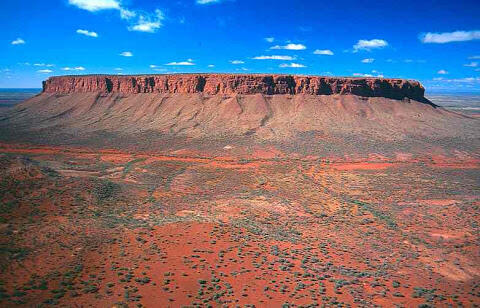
x: 230, y: 84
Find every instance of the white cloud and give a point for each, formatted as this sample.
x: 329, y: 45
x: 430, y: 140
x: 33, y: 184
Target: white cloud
x: 138, y: 20
x: 442, y: 72
x: 211, y: 65
x: 43, y: 64
x: 184, y: 63
x: 461, y: 80
x: 77, y: 68
x: 143, y: 26
x: 45, y: 71
x: 118, y: 69
x: 368, y: 60
x: 293, y: 65
x: 471, y: 64
x: 208, y: 1
x: 18, y: 41
x: 157, y: 68
x: 325, y: 52
x: 369, y: 44
x: 362, y: 75
x: 180, y: 63
x: 447, y: 37
x: 468, y: 79
x: 87, y: 33
x: 237, y: 62
x: 285, y: 58
x: 378, y: 75
x: 96, y: 5
x: 126, y: 54
x: 127, y: 14
x: 270, y: 39
x: 290, y: 46
x: 148, y: 22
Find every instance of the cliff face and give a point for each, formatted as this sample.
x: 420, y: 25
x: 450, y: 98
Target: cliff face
x: 229, y: 84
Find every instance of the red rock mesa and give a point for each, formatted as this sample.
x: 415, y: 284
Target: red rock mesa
x: 228, y: 84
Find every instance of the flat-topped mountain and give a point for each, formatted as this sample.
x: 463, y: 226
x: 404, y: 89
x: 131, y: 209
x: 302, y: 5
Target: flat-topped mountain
x: 228, y: 84
x: 287, y: 109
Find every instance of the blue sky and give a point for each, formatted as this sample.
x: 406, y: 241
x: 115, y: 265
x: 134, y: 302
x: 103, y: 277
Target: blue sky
x: 436, y: 42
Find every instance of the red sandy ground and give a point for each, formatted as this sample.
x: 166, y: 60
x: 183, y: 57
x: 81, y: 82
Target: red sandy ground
x: 98, y: 228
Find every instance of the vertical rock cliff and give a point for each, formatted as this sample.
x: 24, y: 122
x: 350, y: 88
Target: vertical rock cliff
x: 229, y: 84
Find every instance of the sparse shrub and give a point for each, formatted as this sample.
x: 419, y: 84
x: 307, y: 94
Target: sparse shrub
x: 105, y: 190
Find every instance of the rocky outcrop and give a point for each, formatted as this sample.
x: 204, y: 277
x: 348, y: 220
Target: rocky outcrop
x: 229, y: 84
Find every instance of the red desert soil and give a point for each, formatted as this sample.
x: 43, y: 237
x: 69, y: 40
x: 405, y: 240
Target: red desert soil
x: 166, y: 231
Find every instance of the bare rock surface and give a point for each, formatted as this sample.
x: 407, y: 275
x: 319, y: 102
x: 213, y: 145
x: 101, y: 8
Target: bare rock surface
x: 229, y: 84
